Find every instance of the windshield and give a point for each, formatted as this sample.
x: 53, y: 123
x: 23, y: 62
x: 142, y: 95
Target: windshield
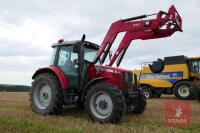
x: 195, y: 66
x: 90, y: 54
x: 66, y: 54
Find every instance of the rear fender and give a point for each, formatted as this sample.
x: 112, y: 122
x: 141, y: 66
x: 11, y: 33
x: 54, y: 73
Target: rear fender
x: 56, y: 71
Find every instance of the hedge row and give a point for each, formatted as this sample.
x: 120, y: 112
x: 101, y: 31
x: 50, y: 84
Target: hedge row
x: 14, y: 88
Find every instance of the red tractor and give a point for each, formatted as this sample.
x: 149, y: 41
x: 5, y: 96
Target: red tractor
x: 77, y: 76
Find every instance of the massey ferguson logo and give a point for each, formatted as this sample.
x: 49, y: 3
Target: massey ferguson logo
x: 177, y: 113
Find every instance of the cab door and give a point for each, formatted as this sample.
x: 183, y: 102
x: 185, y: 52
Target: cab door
x: 65, y: 62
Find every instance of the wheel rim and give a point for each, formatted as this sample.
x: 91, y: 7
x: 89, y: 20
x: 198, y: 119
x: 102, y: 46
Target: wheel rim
x: 184, y: 91
x: 42, y: 95
x: 101, y: 105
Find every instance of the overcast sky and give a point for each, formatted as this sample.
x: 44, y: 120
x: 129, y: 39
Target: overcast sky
x: 29, y: 27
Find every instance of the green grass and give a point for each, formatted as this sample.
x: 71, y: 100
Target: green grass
x: 28, y: 126
x: 35, y: 126
x: 154, y: 126
x: 16, y: 117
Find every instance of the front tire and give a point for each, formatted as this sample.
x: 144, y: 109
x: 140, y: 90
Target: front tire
x: 183, y: 90
x: 136, y: 105
x: 104, y: 103
x: 46, y: 95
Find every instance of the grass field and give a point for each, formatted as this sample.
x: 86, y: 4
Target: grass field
x: 16, y: 117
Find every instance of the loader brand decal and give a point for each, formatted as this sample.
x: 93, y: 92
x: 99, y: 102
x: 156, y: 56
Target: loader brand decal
x: 137, y: 24
x: 177, y: 113
x: 107, y: 70
x: 167, y: 75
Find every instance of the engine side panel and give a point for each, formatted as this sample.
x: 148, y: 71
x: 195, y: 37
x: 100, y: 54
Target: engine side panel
x: 111, y: 75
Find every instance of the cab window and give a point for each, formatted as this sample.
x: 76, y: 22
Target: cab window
x: 195, y: 66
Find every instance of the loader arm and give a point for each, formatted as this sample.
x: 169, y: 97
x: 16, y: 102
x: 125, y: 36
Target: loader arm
x: 164, y: 25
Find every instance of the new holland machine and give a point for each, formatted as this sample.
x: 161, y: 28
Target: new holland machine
x: 177, y: 75
x: 78, y: 75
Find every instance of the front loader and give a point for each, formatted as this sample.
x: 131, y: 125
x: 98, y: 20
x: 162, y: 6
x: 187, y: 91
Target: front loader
x: 77, y: 74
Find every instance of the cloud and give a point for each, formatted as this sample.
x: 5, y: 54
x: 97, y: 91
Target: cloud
x: 28, y: 29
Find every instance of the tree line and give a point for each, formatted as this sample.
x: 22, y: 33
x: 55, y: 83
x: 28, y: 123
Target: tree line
x: 14, y: 88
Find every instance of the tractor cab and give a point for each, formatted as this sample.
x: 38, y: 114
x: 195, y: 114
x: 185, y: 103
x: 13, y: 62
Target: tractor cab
x: 70, y: 59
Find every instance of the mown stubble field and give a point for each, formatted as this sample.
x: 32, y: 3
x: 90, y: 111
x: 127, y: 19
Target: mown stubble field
x: 16, y: 117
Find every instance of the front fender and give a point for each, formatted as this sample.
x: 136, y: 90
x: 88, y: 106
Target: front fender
x: 87, y: 86
x: 55, y: 70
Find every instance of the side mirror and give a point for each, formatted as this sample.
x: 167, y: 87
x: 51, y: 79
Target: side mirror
x: 76, y: 48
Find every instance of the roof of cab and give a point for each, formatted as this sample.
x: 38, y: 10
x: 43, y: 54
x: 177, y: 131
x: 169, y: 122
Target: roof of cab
x: 65, y: 43
x: 86, y: 43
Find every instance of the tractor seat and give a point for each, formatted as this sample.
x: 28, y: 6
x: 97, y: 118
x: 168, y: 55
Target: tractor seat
x: 70, y: 66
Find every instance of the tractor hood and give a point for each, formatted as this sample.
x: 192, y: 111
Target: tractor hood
x: 111, y: 69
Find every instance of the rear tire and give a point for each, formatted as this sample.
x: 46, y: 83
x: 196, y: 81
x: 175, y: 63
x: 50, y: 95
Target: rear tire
x: 136, y: 105
x: 46, y: 96
x: 104, y: 103
x: 183, y: 90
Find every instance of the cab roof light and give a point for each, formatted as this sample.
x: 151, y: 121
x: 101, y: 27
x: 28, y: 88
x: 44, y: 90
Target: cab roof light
x: 61, y: 40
